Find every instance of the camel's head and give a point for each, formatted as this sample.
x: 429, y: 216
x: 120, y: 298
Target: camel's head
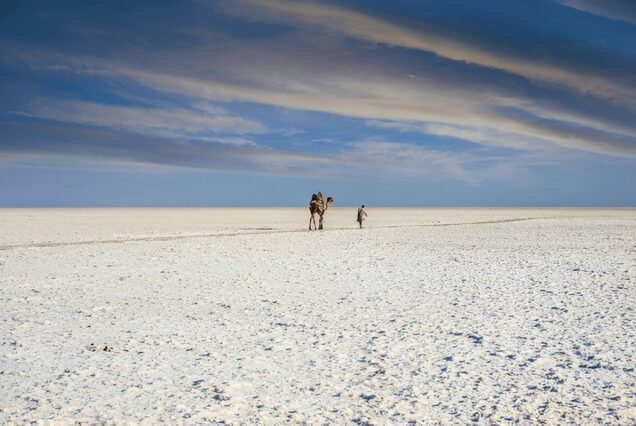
x: 329, y: 200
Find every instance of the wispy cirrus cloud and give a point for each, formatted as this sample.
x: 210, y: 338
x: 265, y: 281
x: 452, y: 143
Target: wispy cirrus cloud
x: 377, y: 158
x: 371, y: 158
x: 562, y: 69
x: 391, y: 74
x: 201, y: 121
x: 22, y: 141
x: 381, y: 97
x: 492, y: 112
x: 621, y: 10
x: 486, y: 136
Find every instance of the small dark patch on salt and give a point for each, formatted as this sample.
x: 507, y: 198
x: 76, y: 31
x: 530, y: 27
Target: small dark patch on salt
x: 219, y: 397
x: 477, y: 339
x: 591, y: 366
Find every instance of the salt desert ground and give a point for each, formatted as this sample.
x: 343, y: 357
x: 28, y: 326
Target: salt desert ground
x: 431, y: 316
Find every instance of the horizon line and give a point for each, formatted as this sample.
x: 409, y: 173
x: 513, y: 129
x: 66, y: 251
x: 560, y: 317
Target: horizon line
x: 538, y: 206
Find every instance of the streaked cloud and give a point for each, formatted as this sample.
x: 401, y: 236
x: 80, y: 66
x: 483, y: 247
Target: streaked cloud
x: 200, y: 121
x: 482, y: 112
x: 382, y: 97
x: 422, y: 36
x: 78, y: 142
x: 372, y: 158
x: 621, y: 10
x: 486, y: 136
x: 378, y: 159
x: 210, y: 97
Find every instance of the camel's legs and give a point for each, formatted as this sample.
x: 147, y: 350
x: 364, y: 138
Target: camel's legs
x: 312, y: 219
x: 319, y: 223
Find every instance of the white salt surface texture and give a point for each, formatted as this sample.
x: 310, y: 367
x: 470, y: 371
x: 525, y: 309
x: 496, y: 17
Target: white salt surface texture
x: 242, y: 315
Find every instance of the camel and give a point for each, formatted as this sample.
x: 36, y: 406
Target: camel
x: 318, y: 205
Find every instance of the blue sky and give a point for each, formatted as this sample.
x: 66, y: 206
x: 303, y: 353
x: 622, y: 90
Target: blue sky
x: 263, y: 102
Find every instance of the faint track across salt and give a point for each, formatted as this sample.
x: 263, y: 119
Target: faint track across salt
x: 265, y: 231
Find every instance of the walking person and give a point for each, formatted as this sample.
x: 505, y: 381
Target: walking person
x: 361, y: 215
